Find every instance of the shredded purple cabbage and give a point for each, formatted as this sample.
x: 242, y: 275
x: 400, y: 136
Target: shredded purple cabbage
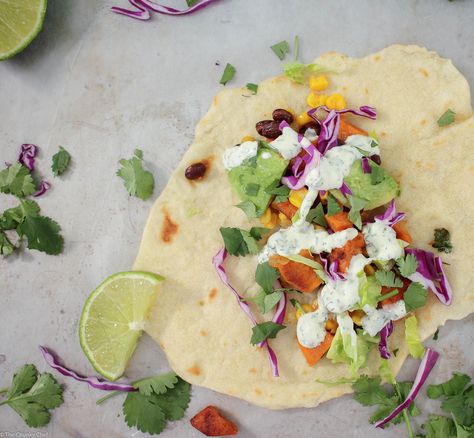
x: 218, y: 262
x: 280, y: 312
x: 430, y: 274
x: 390, y: 217
x: 27, y: 155
x: 53, y: 361
x: 345, y: 190
x: 145, y: 6
x: 331, y: 269
x: 365, y: 165
x: 384, y: 334
x: 43, y: 188
x: 427, y: 363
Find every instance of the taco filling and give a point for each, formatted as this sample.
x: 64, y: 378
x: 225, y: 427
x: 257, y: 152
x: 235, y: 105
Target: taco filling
x: 332, y: 242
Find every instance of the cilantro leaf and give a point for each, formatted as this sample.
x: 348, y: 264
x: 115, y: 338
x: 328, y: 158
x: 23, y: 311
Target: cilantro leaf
x: 61, y: 160
x: 407, y: 266
x: 415, y: 296
x: 191, y: 2
x: 32, y: 395
x: 138, y: 181
x: 6, y: 246
x: 377, y: 175
x: 447, y: 118
x: 442, y: 240
x: 280, y: 49
x: 175, y: 402
x: 438, y: 426
x: 368, y: 391
x: 297, y: 71
x: 249, y: 208
x: 276, y: 189
x: 240, y: 242
x: 157, y: 384
x: 453, y: 386
x: 228, y: 74
x: 252, y: 189
x: 357, y: 204
x: 144, y: 413
x: 333, y: 206
x: 316, y: 215
x: 17, y: 180
x: 253, y: 88
x: 387, y: 278
x: 42, y: 233
x: 266, y: 276
x: 265, y: 330
x: 265, y: 302
x: 436, y: 334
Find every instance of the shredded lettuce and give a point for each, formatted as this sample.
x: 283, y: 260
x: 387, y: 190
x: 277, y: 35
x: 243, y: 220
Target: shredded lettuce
x: 369, y: 290
x: 297, y: 71
x: 412, y: 338
x: 386, y: 372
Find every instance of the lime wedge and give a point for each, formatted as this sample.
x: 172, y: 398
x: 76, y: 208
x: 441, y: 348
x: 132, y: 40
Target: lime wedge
x: 20, y: 22
x: 113, y: 319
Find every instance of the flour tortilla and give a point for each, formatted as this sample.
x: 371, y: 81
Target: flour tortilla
x: 196, y: 319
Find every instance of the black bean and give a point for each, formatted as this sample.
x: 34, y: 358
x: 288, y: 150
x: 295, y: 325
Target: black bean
x: 281, y: 114
x: 268, y: 128
x: 195, y: 171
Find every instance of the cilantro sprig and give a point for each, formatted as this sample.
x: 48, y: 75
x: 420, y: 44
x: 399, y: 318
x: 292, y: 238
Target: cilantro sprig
x: 442, y: 240
x: 240, y: 242
x: 32, y: 395
x: 265, y: 330
x: 61, y: 161
x: 138, y: 181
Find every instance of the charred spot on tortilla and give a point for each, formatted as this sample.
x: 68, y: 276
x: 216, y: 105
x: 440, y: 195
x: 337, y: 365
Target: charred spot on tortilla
x: 212, y: 294
x: 168, y: 228
x: 203, y: 333
x: 195, y: 370
x: 424, y: 72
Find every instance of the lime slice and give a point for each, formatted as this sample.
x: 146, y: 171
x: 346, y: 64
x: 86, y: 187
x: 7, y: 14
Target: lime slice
x: 20, y: 22
x: 113, y: 319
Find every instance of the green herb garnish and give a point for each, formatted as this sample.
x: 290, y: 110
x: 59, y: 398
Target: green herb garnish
x: 388, y: 279
x: 415, y: 296
x: 447, y: 118
x: 32, y: 395
x: 265, y: 330
x: 138, y: 181
x: 377, y: 175
x: 17, y: 180
x: 61, y: 161
x: 442, y: 240
x: 298, y: 72
x: 266, y: 301
x: 316, y: 215
x: 228, y: 74
x: 407, y: 266
x: 253, y: 88
x: 281, y: 49
x: 252, y: 189
x: 249, y: 208
x: 357, y: 204
x: 333, y: 206
x: 436, y: 334
x: 266, y: 276
x: 240, y: 242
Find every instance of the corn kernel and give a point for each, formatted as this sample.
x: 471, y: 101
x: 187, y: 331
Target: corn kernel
x: 324, y: 197
x: 303, y: 119
x: 247, y: 138
x: 318, y: 83
x: 369, y: 270
x: 331, y: 326
x: 269, y: 219
x: 314, y: 100
x: 336, y: 101
x: 284, y: 221
x: 296, y: 196
x: 357, y: 316
x: 306, y: 309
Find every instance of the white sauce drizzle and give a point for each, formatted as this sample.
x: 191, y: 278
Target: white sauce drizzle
x: 310, y: 329
x: 235, y: 156
x: 381, y: 240
x: 287, y: 143
x: 376, y: 319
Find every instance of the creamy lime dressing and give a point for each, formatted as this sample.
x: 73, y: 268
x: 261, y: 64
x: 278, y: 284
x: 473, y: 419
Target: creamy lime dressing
x: 302, y: 235
x: 287, y: 143
x: 310, y: 329
x: 376, y: 319
x: 381, y: 240
x: 237, y: 155
x: 341, y: 295
x: 266, y: 155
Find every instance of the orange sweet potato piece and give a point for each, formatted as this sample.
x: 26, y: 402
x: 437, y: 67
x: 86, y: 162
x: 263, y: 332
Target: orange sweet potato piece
x: 402, y: 231
x: 346, y: 129
x: 211, y: 422
x: 339, y: 221
x: 312, y: 355
x: 395, y: 298
x: 344, y: 254
x: 296, y: 275
x: 287, y: 208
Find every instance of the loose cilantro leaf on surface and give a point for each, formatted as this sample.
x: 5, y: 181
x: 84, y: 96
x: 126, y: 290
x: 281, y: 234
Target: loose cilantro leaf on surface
x: 316, y: 215
x: 241, y: 242
x: 253, y: 88
x: 17, y: 180
x: 438, y: 426
x: 333, y: 206
x: 158, y: 384
x: 281, y: 49
x: 266, y: 276
x: 447, y: 118
x: 407, y: 266
x: 357, y: 204
x: 388, y: 279
x: 149, y: 411
x: 6, y: 246
x: 415, y: 296
x: 32, y: 395
x: 442, y: 240
x: 228, y: 74
x: 138, y: 181
x: 249, y: 208
x: 265, y: 330
x: 61, y: 160
x: 455, y: 385
x: 298, y: 72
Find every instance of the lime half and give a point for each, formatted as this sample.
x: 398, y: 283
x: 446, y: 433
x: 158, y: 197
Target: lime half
x: 20, y: 22
x: 113, y: 319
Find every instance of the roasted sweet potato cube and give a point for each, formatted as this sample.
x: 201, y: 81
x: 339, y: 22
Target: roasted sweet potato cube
x: 344, y: 254
x: 211, y: 422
